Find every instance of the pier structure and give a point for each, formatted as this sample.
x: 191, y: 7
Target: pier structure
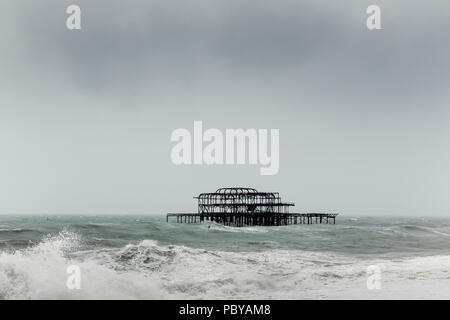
x: 248, y: 207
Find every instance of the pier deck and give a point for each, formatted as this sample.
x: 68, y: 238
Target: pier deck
x: 254, y: 218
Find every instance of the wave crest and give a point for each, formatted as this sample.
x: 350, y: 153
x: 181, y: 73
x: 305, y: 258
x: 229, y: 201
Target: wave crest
x: 148, y: 270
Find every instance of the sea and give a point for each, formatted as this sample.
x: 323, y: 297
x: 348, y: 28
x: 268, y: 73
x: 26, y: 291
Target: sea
x: 144, y: 257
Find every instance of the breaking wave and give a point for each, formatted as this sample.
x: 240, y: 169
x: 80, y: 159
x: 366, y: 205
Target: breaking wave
x: 148, y: 270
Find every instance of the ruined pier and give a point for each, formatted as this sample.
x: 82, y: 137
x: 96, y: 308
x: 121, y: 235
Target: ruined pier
x: 248, y: 207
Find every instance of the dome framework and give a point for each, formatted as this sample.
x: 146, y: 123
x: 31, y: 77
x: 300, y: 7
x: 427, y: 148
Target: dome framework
x: 241, y: 200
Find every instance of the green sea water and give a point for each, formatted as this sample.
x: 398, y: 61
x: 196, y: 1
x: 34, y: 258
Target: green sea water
x: 144, y: 257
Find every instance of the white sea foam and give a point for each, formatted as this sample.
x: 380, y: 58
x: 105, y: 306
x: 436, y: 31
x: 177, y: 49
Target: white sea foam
x: 150, y: 271
x: 11, y: 229
x: 40, y: 273
x: 213, y: 226
x: 441, y: 233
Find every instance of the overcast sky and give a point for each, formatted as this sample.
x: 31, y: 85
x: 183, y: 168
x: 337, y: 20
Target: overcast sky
x: 86, y: 116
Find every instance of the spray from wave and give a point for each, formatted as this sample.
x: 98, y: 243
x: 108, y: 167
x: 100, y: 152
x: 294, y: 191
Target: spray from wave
x: 148, y: 270
x: 40, y: 272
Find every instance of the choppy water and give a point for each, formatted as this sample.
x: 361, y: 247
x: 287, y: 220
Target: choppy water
x: 143, y: 257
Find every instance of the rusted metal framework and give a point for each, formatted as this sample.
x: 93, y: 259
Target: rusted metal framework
x: 247, y: 207
x: 241, y: 200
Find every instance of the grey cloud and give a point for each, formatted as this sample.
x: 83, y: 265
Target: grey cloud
x: 362, y: 114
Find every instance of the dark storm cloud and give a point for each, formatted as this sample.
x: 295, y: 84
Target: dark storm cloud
x: 99, y: 104
x: 322, y: 45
